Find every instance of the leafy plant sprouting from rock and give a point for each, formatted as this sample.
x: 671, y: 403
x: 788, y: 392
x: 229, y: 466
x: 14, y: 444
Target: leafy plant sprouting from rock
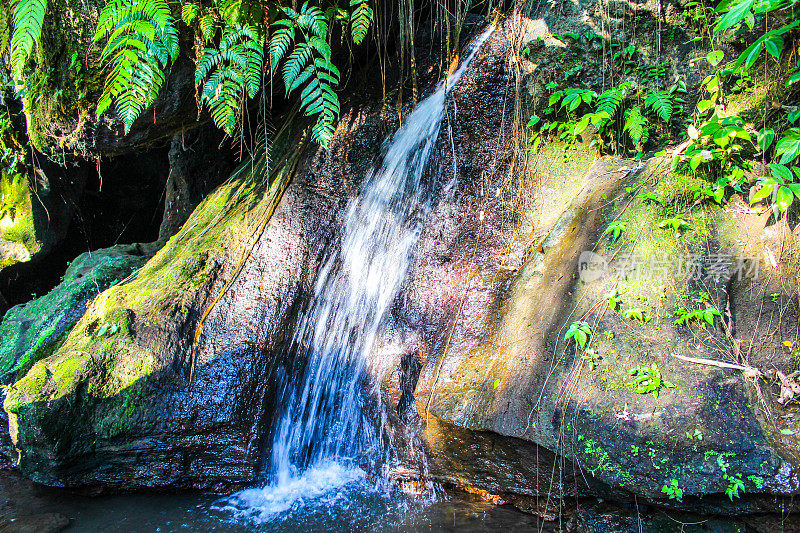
x: 673, y: 491
x: 580, y: 332
x: 648, y: 380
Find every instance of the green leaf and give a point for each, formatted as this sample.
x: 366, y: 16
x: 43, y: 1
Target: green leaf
x: 781, y: 172
x: 788, y: 146
x: 715, y: 57
x: 360, y: 20
x: 734, y: 16
x: 189, y: 12
x: 764, y: 138
x: 660, y: 103
x: 141, y: 41
x: 229, y: 74
x: 784, y: 198
x: 636, y: 125
x: 27, y: 17
x: 774, y: 45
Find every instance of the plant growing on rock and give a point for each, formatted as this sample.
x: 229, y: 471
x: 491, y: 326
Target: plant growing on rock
x: 591, y: 358
x: 673, y: 491
x: 580, y: 332
x: 701, y: 315
x: 648, y: 380
x: 615, y: 229
x: 675, y: 224
x: 636, y: 313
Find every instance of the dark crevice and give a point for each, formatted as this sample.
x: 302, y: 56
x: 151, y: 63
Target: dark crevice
x: 119, y: 201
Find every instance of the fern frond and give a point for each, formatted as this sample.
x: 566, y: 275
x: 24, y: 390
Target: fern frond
x: 27, y: 20
x: 230, y: 71
x: 312, y: 18
x: 208, y: 27
x: 308, y: 67
x: 636, y: 126
x: 189, y: 12
x: 240, y: 12
x: 610, y: 100
x: 141, y: 41
x: 661, y: 104
x: 360, y: 20
x: 294, y: 64
x: 281, y: 40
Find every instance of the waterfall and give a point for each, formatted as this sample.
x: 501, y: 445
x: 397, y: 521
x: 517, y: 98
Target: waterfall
x: 321, y: 428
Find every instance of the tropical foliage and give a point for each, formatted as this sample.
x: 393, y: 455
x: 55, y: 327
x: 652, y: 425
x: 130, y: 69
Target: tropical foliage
x: 140, y: 43
x: 229, y: 72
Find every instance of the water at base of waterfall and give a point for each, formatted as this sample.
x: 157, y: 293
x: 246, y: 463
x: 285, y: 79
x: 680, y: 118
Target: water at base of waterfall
x: 354, y: 505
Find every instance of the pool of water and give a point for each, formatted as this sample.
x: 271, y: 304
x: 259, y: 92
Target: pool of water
x: 324, y: 498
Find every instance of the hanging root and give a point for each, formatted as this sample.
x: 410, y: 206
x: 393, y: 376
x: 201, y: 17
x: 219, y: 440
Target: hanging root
x: 790, y: 389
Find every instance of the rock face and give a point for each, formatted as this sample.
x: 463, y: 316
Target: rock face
x: 508, y: 369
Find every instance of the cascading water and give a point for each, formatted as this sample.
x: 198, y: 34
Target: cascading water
x: 322, y: 432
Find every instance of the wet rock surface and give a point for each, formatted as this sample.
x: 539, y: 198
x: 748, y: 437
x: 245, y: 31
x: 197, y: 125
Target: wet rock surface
x: 34, y: 330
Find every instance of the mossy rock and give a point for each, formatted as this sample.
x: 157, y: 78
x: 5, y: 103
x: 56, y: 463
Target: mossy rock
x: 513, y: 373
x: 18, y: 235
x: 64, y: 79
x: 34, y: 330
x: 119, y: 377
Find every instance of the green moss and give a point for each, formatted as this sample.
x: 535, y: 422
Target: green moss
x: 37, y: 329
x: 16, y: 215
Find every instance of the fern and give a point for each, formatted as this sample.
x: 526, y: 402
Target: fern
x: 241, y: 12
x: 661, y: 104
x: 141, y: 42
x: 189, y: 12
x: 636, y: 126
x: 27, y: 19
x: 611, y: 99
x: 230, y: 72
x: 360, y: 20
x: 308, y: 66
x: 208, y: 27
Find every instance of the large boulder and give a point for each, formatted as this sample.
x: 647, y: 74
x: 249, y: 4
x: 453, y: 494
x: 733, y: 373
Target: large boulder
x: 130, y: 400
x: 702, y: 429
